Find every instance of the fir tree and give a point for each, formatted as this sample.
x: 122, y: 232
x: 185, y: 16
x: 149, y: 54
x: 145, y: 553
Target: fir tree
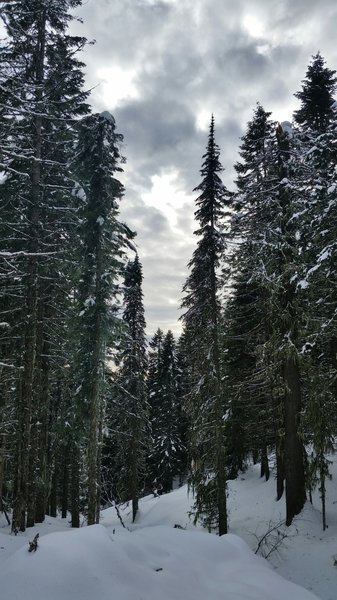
x: 206, y: 404
x: 41, y: 89
x: 316, y: 96
x: 131, y: 393
x: 167, y: 446
x: 104, y: 240
x: 317, y: 130
x: 251, y: 418
x: 268, y: 260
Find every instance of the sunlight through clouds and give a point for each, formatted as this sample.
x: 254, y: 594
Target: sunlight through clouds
x: 253, y: 26
x: 166, y: 196
x: 117, y: 85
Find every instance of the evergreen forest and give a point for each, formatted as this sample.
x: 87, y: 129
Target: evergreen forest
x: 94, y: 412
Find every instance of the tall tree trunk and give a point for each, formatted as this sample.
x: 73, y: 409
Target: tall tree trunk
x: 95, y: 385
x: 280, y: 475
x: 99, y: 461
x: 134, y: 479
x: 25, y: 393
x: 93, y: 449
x: 43, y: 482
x: 65, y: 483
x: 75, y: 485
x: 265, y: 472
x: 293, y: 447
x: 220, y: 465
x: 35, y: 419
x: 2, y: 462
x: 53, y: 492
x: 322, y: 490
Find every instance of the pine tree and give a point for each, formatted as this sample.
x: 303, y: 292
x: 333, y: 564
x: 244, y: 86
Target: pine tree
x: 268, y: 261
x: 167, y: 449
x: 104, y: 240
x: 317, y: 130
x: 131, y: 418
x: 251, y: 419
x: 40, y: 99
x: 316, y: 96
x: 206, y: 404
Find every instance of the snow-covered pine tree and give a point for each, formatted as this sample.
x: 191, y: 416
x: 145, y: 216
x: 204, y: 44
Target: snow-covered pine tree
x: 153, y: 389
x: 316, y: 96
x: 41, y: 95
x: 104, y: 240
x: 206, y: 403
x: 270, y: 258
x: 316, y: 122
x: 167, y: 449
x: 251, y: 423
x: 131, y: 405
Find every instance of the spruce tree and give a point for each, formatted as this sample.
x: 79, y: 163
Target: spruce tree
x: 316, y: 122
x: 41, y: 95
x: 103, y: 243
x: 206, y: 402
x: 167, y: 449
x: 131, y: 406
x: 269, y: 259
x: 247, y: 328
x: 316, y: 97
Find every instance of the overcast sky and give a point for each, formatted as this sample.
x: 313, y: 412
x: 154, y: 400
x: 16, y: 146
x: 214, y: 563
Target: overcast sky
x: 162, y: 67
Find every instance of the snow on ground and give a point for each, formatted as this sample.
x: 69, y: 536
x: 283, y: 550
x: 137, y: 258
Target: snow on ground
x: 152, y: 559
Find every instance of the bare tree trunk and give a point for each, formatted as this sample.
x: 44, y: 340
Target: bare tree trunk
x: 2, y: 461
x: 265, y: 472
x: 65, y: 483
x: 93, y: 453
x: 99, y: 461
x: 25, y: 407
x: 53, y: 492
x: 75, y: 486
x: 220, y: 466
x: 293, y: 448
x: 279, y: 470
x: 322, y: 490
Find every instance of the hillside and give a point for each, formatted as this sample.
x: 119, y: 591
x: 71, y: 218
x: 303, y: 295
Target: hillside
x: 153, y: 559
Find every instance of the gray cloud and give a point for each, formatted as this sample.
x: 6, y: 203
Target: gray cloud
x: 191, y: 58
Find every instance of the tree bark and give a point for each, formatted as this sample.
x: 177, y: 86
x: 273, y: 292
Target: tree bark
x: 65, y: 483
x: 293, y: 447
x: 75, y: 486
x: 279, y: 470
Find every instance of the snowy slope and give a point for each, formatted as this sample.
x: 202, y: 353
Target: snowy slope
x: 153, y: 560
x: 144, y: 564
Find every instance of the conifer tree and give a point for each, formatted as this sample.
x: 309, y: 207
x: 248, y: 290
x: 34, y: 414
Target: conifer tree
x: 269, y: 260
x: 251, y: 418
x: 167, y: 446
x: 317, y: 130
x: 41, y: 95
x: 103, y: 243
x: 131, y: 393
x: 205, y: 404
x: 317, y: 103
